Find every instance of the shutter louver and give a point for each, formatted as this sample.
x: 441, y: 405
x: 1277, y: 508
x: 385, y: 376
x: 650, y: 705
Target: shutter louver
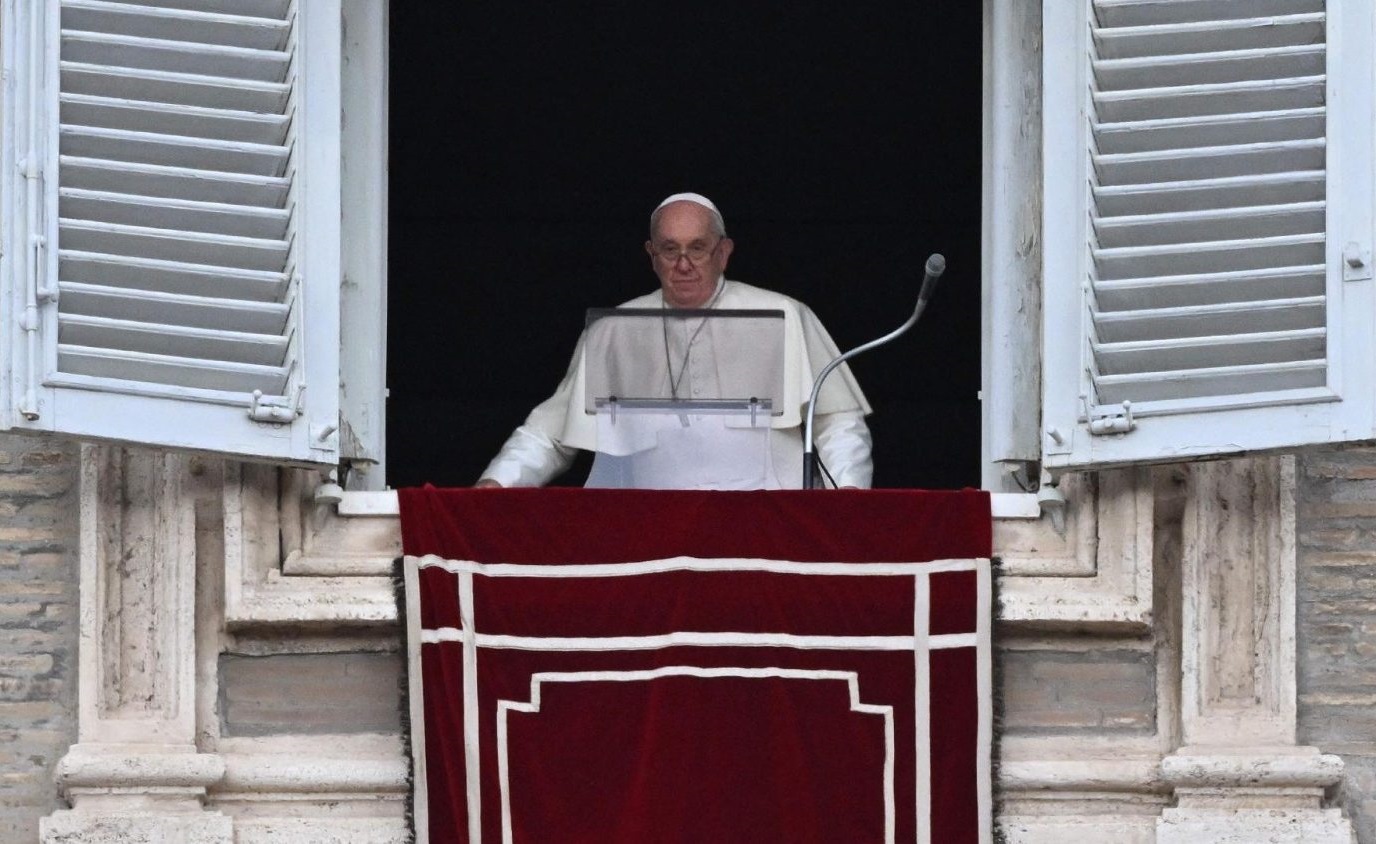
x: 175, y: 257
x: 1208, y: 206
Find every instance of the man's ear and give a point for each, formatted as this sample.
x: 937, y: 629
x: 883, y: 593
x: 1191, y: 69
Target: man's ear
x: 726, y: 246
x: 650, y: 250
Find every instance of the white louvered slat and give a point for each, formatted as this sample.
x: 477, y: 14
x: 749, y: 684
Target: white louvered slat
x: 1190, y: 69
x: 188, y: 215
x: 1212, y: 381
x: 1146, y: 12
x: 191, y: 89
x: 242, y: 253
x: 154, y: 276
x: 1201, y: 194
x: 152, y: 21
x: 1205, y: 288
x: 1208, y: 257
x: 1208, y: 209
x: 175, y: 194
x: 174, y: 182
x: 1171, y: 324
x: 174, y: 56
x: 175, y: 309
x: 172, y: 371
x: 1217, y: 350
x: 1209, y: 130
x: 164, y: 119
x: 1184, y: 32
x: 253, y: 8
x: 172, y: 340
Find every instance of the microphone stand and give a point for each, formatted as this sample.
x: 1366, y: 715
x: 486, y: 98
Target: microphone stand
x: 936, y: 265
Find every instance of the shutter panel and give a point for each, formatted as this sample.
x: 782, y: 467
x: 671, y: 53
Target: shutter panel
x: 192, y: 196
x: 1201, y: 187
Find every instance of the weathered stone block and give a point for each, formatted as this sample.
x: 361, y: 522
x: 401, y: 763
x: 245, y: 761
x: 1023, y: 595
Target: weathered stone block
x: 310, y: 693
x: 73, y: 827
x: 1047, y: 691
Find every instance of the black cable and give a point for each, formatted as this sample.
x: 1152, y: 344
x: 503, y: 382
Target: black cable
x: 823, y: 467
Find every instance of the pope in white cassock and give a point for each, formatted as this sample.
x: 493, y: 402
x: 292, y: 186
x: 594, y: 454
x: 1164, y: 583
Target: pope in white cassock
x: 689, y: 250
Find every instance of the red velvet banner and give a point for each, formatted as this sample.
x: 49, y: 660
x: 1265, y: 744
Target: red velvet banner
x: 633, y: 666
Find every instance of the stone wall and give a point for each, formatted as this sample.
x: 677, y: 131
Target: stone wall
x: 38, y: 626
x: 1337, y: 621
x: 278, y: 692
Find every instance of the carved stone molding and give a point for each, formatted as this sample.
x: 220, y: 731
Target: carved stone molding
x: 1238, y: 613
x: 1095, y: 572
x: 137, y: 575
x: 1240, y: 775
x: 272, y: 526
x: 1089, y: 798
x: 135, y: 773
x: 313, y: 788
x: 291, y: 561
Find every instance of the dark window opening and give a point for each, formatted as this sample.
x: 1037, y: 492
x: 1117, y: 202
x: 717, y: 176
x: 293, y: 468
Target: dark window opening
x: 529, y: 144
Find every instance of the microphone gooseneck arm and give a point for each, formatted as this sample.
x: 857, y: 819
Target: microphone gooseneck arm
x: 936, y: 265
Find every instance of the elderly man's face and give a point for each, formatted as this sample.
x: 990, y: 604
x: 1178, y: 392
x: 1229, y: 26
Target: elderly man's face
x: 686, y: 255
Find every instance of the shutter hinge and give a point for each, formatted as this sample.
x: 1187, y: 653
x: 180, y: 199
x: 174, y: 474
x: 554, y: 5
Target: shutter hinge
x: 276, y: 410
x: 1111, y: 423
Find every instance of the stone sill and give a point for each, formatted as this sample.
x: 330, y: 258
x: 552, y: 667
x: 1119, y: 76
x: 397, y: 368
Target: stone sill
x: 384, y: 503
x: 336, y: 562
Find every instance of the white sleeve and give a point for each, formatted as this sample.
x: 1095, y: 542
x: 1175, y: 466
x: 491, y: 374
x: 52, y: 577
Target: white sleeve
x: 843, y: 443
x: 533, y: 454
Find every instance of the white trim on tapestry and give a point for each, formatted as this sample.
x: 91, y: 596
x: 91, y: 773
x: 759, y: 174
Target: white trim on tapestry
x: 922, y: 720
x: 984, y: 679
x: 921, y: 644
x: 851, y: 678
x: 471, y: 736
x: 687, y: 638
x: 420, y: 790
x: 711, y: 564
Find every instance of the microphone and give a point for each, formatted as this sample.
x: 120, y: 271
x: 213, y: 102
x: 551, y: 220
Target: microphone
x: 931, y: 274
x: 936, y: 265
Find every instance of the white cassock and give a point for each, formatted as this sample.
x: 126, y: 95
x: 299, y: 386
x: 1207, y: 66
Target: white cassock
x: 544, y: 445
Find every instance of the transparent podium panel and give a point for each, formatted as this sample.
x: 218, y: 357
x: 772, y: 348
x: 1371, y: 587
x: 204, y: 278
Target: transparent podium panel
x: 681, y: 451
x: 683, y: 398
x: 671, y: 354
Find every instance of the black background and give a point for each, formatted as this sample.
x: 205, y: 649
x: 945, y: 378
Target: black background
x: 530, y: 141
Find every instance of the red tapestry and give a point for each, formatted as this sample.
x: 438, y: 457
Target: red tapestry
x: 660, y: 666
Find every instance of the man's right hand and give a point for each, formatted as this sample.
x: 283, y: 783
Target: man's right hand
x: 487, y: 483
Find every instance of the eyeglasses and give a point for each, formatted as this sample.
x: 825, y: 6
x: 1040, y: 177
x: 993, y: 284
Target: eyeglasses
x: 696, y: 253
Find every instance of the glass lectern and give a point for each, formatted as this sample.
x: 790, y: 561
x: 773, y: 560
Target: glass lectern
x: 684, y: 398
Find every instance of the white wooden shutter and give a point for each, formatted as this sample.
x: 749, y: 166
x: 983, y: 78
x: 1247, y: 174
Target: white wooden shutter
x: 1207, y: 164
x: 185, y: 292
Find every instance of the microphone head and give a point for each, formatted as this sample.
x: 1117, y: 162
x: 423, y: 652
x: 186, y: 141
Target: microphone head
x: 936, y: 264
